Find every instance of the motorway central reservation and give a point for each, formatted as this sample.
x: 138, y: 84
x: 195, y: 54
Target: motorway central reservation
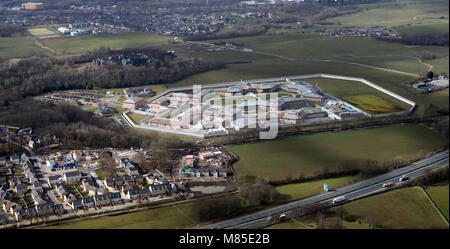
x: 232, y: 107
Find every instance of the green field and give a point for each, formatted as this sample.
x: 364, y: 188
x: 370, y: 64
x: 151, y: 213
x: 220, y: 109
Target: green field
x: 387, y: 64
x: 439, y: 194
x: 396, y: 13
x: 348, y: 89
x: 99, y: 173
x: 40, y: 32
x: 296, y: 191
x: 439, y: 65
x: 306, y: 154
x: 441, y: 27
x: 21, y: 46
x: 287, y: 54
x: 399, y: 209
x: 403, y: 63
x: 320, y: 47
x: 175, y: 216
x: 342, y: 88
x: 136, y: 118
x: 372, y: 104
x: 289, y: 224
x: 402, y: 208
x: 114, y: 41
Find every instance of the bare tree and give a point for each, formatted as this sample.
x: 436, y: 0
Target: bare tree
x: 139, y: 158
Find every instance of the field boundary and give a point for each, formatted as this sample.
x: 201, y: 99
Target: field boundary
x: 434, y: 205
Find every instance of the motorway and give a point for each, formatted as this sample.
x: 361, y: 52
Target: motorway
x: 351, y: 192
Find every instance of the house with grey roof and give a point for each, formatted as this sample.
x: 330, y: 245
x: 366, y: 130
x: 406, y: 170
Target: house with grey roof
x: 102, y: 191
x: 223, y: 172
x: 102, y: 200
x: 115, y: 198
x: 170, y: 187
x: 30, y: 175
x: 58, y: 209
x: 14, y: 207
x: 92, y: 191
x: 126, y: 187
x: 88, y: 202
x: 61, y: 189
x: 145, y: 193
x: 15, y: 159
x: 38, y: 186
x: 44, y: 209
x: 157, y: 189
x: 133, y: 194
x: 27, y: 213
x: 37, y: 198
x: 21, y: 188
x: 76, y: 205
x: 10, y: 206
x: 214, y: 173
x: 119, y: 181
x: 52, y: 180
x: 132, y: 171
x: 109, y: 182
x: 138, y: 179
x: 87, y: 184
x: 72, y: 177
x: 69, y: 197
x: 4, y: 196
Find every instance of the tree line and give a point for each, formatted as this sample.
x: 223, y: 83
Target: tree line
x: 251, y: 196
x: 77, y: 128
x: 241, y: 31
x: 34, y: 76
x: 8, y: 30
x: 422, y: 39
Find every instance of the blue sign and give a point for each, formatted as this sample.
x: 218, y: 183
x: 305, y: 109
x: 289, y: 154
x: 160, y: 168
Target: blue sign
x: 325, y: 187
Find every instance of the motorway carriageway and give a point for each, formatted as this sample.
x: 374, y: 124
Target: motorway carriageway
x: 351, y: 192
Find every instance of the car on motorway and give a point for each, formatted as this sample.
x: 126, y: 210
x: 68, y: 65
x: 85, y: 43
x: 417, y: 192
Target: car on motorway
x: 388, y: 184
x: 403, y: 178
x: 282, y: 217
x: 338, y: 199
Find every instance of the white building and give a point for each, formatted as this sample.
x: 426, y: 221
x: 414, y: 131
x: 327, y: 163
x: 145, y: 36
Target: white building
x: 64, y: 30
